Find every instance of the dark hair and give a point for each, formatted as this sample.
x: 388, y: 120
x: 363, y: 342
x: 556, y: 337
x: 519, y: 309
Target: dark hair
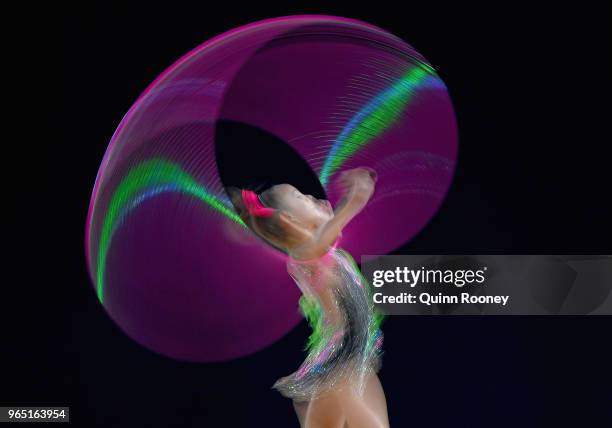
x: 278, y: 230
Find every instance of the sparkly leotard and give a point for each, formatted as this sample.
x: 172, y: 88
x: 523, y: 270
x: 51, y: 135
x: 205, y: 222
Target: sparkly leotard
x: 346, y: 340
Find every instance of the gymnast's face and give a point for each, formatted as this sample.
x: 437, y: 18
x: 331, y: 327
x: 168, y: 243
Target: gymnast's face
x: 307, y: 209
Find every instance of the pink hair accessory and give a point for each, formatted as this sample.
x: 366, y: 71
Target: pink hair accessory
x: 254, y: 205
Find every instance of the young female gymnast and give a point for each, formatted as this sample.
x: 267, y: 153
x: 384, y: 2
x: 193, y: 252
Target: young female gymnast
x: 337, y: 385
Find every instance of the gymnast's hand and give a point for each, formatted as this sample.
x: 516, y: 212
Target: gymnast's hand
x: 357, y: 186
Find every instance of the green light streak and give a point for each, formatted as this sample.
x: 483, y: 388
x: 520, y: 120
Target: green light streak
x: 148, y: 179
x: 373, y: 119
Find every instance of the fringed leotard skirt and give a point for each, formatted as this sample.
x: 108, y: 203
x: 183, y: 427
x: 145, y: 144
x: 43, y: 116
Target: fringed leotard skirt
x: 345, y: 344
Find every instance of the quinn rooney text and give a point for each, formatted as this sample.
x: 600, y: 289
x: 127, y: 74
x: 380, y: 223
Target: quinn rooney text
x: 433, y: 299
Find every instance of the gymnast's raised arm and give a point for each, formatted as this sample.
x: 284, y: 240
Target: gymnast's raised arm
x: 358, y: 186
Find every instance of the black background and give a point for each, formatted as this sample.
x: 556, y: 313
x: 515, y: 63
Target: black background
x: 530, y: 88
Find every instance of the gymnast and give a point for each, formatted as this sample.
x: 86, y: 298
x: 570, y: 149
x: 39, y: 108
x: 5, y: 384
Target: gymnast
x: 337, y: 385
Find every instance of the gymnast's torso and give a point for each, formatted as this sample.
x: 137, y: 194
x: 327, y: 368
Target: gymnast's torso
x: 345, y: 344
